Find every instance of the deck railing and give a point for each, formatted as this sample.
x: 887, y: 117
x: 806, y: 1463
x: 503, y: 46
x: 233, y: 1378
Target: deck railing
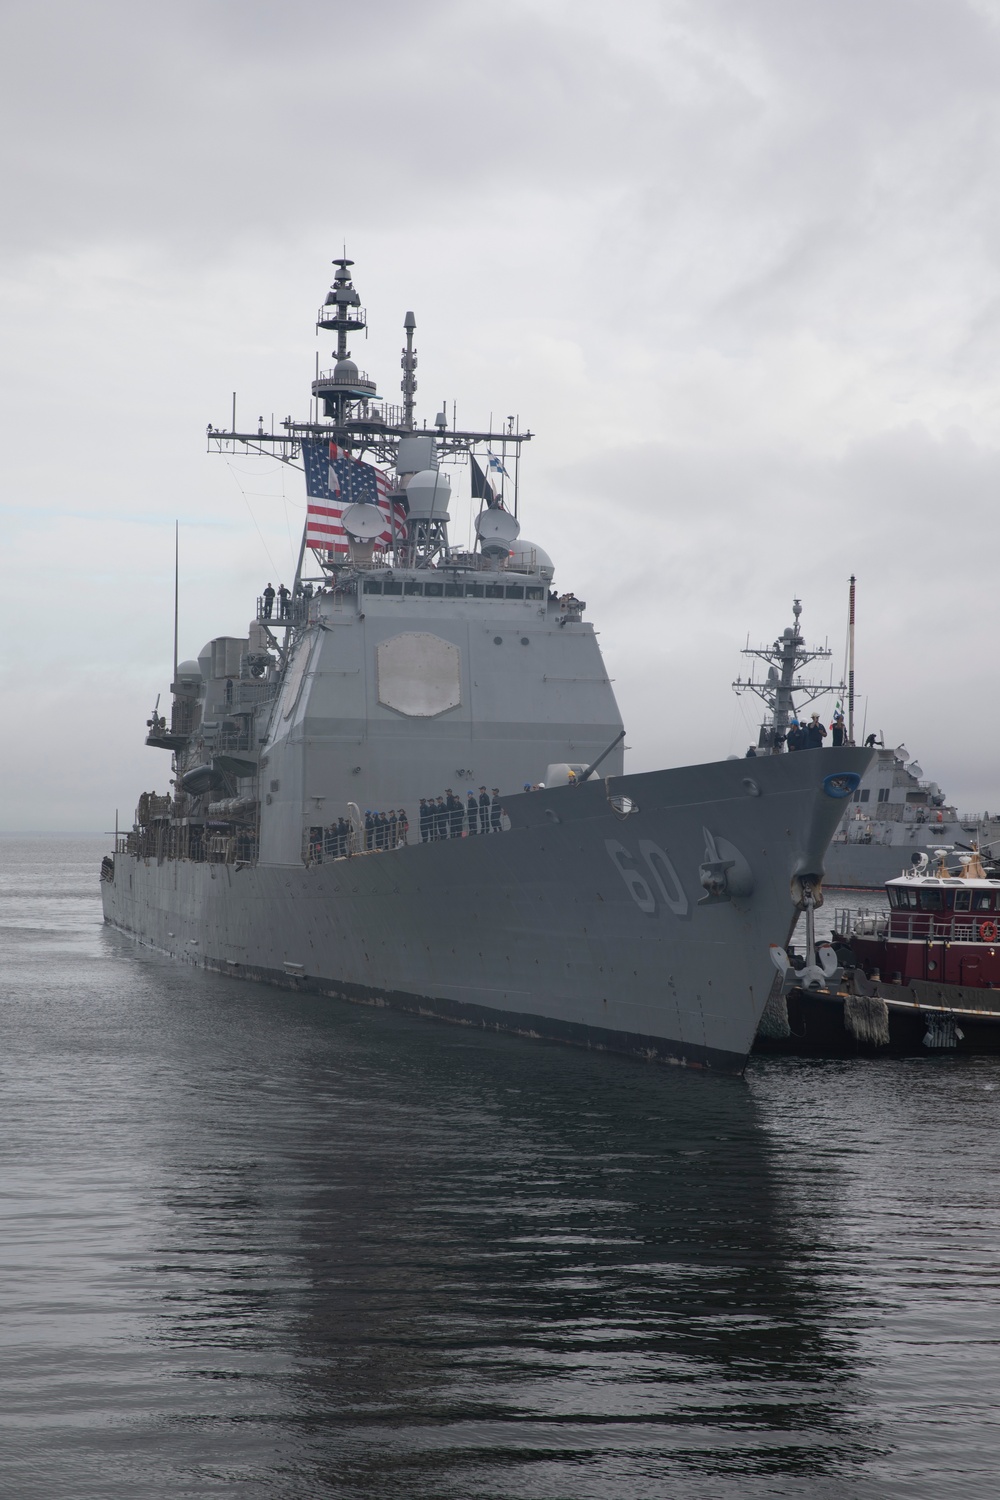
x: 905, y: 927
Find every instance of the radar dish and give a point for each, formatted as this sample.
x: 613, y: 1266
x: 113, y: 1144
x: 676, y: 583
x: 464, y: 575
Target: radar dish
x: 363, y: 522
x: 496, y: 530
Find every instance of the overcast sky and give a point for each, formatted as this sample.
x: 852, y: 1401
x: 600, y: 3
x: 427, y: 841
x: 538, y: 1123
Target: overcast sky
x: 736, y: 262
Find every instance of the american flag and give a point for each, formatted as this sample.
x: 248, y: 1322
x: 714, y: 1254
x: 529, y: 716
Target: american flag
x: 335, y: 480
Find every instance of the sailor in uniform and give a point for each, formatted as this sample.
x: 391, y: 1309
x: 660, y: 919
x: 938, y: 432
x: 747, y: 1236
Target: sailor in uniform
x: 455, y: 818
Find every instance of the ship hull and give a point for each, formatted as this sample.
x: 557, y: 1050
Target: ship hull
x: 867, y: 867
x: 579, y: 924
x: 915, y: 1020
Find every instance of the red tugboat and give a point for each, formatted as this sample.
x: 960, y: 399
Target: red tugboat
x: 924, y: 974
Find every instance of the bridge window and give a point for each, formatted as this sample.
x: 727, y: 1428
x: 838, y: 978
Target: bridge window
x: 372, y: 586
x: 453, y: 591
x: 393, y: 588
x: 930, y: 901
x: 434, y: 590
x: 413, y: 588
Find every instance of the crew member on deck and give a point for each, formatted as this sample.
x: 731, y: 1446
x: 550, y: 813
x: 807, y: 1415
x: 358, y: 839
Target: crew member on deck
x: 484, y: 810
x: 838, y: 732
x: 454, y: 814
x: 283, y: 598
x: 424, y: 821
x: 794, y: 737
x: 495, y: 811
x: 815, y: 734
x: 268, y: 601
x: 472, y: 813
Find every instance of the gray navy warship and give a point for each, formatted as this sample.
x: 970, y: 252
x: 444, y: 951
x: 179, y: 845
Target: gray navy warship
x: 561, y: 899
x: 895, y: 820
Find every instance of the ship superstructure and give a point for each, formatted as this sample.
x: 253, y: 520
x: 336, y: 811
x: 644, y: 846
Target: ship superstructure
x: 782, y: 683
x: 404, y: 784
x: 895, y: 813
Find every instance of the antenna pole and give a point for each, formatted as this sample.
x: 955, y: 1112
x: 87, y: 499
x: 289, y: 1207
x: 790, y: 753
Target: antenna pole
x: 302, y: 553
x: 850, y: 664
x: 517, y: 473
x: 177, y: 558
x: 409, y: 364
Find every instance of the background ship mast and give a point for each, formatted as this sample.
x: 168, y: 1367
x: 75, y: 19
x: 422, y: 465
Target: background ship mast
x: 785, y: 658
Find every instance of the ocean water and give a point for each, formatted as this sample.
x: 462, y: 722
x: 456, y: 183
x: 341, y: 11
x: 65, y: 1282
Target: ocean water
x: 256, y: 1244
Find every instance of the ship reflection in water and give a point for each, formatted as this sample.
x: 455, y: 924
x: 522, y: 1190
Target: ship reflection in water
x: 274, y: 1245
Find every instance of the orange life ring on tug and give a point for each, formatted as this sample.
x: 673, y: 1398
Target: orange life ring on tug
x: 988, y: 932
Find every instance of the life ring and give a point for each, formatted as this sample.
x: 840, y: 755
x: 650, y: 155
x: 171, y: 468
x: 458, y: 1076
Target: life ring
x: 988, y: 932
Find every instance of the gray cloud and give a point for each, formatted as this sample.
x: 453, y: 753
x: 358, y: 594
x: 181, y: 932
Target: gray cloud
x: 736, y: 264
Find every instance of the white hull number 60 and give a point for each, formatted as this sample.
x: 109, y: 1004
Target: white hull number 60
x: 660, y: 867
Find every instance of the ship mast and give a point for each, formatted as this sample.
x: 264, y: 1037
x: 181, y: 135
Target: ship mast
x: 785, y: 658
x: 350, y: 413
x: 408, y: 384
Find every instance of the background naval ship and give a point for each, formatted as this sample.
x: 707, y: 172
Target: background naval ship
x: 895, y: 819
x: 564, y: 899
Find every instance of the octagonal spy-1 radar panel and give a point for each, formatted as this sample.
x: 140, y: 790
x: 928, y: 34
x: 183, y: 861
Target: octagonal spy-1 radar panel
x: 419, y: 674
